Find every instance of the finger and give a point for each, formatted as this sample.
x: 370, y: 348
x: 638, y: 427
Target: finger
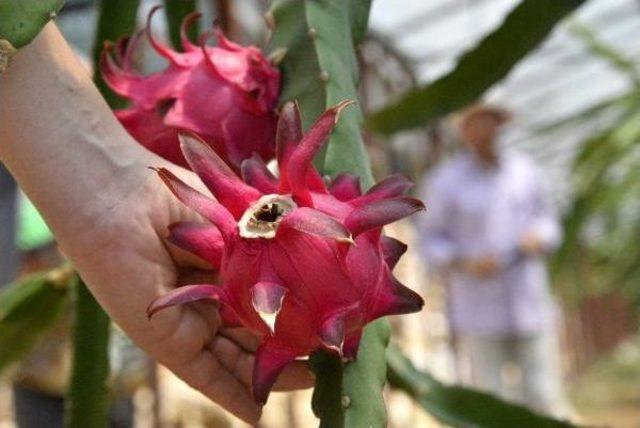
x: 243, y: 338
x: 234, y: 359
x: 209, y: 312
x: 240, y: 363
x: 206, y: 374
x: 185, y: 351
x: 296, y: 375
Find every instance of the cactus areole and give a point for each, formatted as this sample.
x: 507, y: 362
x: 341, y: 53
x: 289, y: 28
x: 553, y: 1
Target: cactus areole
x: 214, y: 91
x: 303, y: 264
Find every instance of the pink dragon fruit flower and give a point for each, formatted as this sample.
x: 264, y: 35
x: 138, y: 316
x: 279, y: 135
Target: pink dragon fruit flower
x: 215, y: 92
x: 302, y: 265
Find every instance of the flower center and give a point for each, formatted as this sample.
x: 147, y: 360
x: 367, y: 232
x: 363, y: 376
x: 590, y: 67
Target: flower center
x: 262, y: 218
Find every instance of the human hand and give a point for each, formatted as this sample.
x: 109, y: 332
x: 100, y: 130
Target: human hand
x: 481, y: 267
x: 129, y: 265
x: 531, y: 244
x: 109, y: 213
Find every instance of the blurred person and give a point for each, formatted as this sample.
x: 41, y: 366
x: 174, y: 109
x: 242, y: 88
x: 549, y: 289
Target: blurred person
x: 489, y: 228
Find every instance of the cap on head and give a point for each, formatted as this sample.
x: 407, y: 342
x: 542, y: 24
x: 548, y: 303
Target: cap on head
x: 478, y: 126
x: 477, y: 110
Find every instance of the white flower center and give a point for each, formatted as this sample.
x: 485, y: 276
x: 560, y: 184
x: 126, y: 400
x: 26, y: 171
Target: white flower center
x: 262, y: 218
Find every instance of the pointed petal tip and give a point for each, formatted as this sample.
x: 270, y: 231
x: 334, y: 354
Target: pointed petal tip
x: 381, y: 212
x: 277, y: 56
x: 266, y: 299
x: 347, y: 240
x: 182, y: 295
x: 392, y: 250
x: 255, y: 173
x: 193, y: 146
x: 159, y: 47
x: 290, y: 111
x: 332, y: 338
x: 271, y: 359
x: 186, y: 24
x: 337, y: 109
x: 152, y: 12
x: 189, y: 141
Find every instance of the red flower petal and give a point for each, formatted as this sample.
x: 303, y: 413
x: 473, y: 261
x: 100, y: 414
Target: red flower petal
x: 391, y: 187
x: 225, y: 185
x: 377, y: 214
x: 160, y: 48
x: 184, y: 30
x: 186, y: 294
x: 301, y: 159
x: 351, y: 345
x: 345, y: 187
x: 394, y: 298
x: 333, y: 329
x: 310, y: 221
x: 392, y: 250
x: 271, y: 359
x: 256, y: 174
x: 288, y: 134
x: 203, y: 240
x: 210, y: 209
x: 266, y: 298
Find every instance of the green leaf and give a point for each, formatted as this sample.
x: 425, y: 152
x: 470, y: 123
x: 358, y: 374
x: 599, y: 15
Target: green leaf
x: 606, y: 173
x: 116, y: 19
x: 88, y: 396
x: 603, y: 50
x: 28, y: 309
x: 176, y: 11
x: 458, y: 406
x: 616, y: 103
x: 526, y: 26
x: 320, y: 70
x: 22, y: 20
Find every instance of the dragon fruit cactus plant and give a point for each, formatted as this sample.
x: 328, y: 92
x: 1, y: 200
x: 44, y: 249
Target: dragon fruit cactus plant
x: 214, y: 91
x: 302, y: 265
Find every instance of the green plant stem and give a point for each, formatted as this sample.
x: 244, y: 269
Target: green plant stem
x: 117, y: 18
x: 88, y: 398
x: 22, y: 20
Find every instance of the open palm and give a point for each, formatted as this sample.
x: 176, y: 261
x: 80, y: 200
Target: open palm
x: 131, y: 264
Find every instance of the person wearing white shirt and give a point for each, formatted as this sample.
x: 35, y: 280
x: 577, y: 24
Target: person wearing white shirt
x: 488, y: 231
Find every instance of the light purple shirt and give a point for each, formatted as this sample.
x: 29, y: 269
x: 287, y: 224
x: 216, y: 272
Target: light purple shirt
x: 474, y: 210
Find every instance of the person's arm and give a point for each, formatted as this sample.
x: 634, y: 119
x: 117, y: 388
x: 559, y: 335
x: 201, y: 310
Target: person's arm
x: 109, y: 214
x: 544, y: 233
x: 60, y: 141
x: 438, y: 246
